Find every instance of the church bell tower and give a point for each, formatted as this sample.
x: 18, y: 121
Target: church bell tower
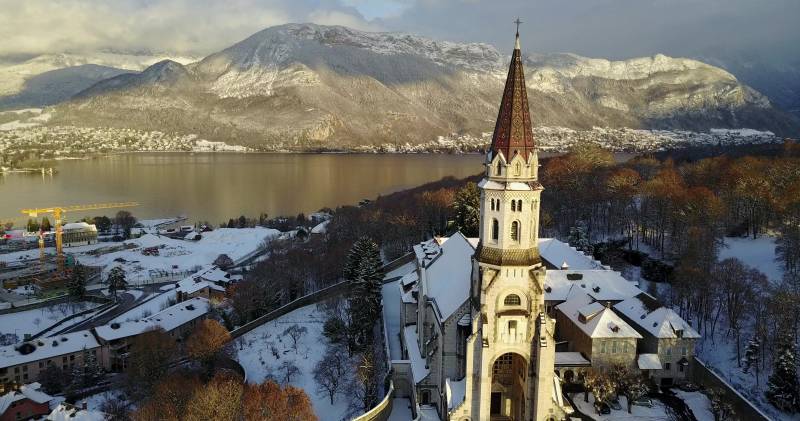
x: 514, y: 362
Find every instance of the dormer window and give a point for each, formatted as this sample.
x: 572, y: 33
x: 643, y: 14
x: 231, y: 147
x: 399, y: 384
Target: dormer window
x: 499, y: 169
x: 512, y: 300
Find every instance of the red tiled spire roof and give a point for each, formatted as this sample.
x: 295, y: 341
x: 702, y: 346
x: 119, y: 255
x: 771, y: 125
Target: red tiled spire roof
x: 512, y: 132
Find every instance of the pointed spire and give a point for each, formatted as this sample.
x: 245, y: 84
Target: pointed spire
x: 513, y: 133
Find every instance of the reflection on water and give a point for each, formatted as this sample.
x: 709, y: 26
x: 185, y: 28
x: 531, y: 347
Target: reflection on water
x: 216, y: 187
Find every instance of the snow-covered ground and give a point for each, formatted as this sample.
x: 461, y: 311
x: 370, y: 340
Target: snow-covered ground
x: 657, y: 412
x: 758, y: 253
x: 36, y: 320
x: 177, y: 258
x: 401, y: 410
x: 151, y: 306
x: 698, y: 403
x: 259, y: 363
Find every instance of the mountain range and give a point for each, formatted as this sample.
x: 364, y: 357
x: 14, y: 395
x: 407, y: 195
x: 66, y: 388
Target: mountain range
x: 307, y: 86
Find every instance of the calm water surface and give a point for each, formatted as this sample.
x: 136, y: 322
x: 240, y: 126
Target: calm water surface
x: 216, y: 187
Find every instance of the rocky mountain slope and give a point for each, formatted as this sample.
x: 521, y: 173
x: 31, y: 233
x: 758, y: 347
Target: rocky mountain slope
x: 305, y: 86
x: 52, y: 78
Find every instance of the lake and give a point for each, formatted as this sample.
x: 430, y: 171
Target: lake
x: 219, y: 186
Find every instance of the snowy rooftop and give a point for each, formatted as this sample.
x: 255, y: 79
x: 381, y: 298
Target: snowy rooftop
x: 649, y: 362
x: 596, y: 320
x: 167, y: 319
x: 44, y: 348
x: 79, y: 226
x: 426, y: 251
x: 659, y: 321
x: 27, y: 391
x: 69, y: 413
x: 418, y: 369
x: 557, y: 252
x: 456, y: 392
x: 496, y: 185
x: 602, y: 285
x: 321, y: 228
x: 391, y: 317
x: 449, y: 275
x: 570, y: 359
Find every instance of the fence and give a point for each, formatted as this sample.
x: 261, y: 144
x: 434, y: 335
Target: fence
x: 706, y: 377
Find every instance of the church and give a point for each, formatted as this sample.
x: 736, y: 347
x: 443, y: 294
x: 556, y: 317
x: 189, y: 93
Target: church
x: 471, y: 323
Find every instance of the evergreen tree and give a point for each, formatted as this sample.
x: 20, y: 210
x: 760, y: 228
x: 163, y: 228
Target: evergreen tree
x: 579, y: 237
x: 466, y: 209
x: 77, y: 283
x: 751, y: 355
x: 364, y: 270
x: 46, y: 224
x: 33, y: 225
x: 116, y: 281
x: 92, y: 371
x: 782, y: 388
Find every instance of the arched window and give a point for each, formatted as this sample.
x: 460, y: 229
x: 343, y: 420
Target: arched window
x: 518, y: 169
x: 513, y: 206
x: 495, y: 230
x: 519, y: 205
x: 499, y: 169
x: 515, y: 231
x: 492, y: 204
x: 512, y: 300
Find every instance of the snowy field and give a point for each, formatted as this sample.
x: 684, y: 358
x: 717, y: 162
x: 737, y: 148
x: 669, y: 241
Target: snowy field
x: 38, y: 319
x: 178, y: 257
x: 758, y: 253
x: 260, y: 364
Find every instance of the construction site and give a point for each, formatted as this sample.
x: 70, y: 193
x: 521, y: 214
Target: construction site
x: 50, y: 270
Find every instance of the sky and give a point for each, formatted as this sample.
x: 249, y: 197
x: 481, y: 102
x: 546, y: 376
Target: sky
x: 595, y: 28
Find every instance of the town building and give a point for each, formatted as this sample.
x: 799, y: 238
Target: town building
x: 177, y: 321
x: 25, y: 403
x: 25, y: 362
x: 78, y: 234
x: 666, y: 351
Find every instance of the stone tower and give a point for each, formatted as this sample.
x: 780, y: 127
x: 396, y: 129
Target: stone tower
x: 511, y: 375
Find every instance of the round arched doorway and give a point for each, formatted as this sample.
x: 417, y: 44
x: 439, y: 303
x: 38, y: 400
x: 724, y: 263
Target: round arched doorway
x: 509, y: 380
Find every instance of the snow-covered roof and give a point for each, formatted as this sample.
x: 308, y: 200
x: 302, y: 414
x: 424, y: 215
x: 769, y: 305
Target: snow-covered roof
x: 321, y: 228
x: 78, y: 226
x: 456, y: 391
x: 214, y: 274
x: 428, y: 413
x: 199, y: 285
x: 496, y: 185
x: 418, y: 369
x: 448, y: 276
x: 649, y: 362
x: 26, y: 391
x: 167, y: 319
x: 69, y: 413
x: 409, y: 278
x: 571, y: 359
x: 426, y: 251
x: 558, y: 252
x: 43, y: 348
x: 602, y: 285
x: 659, y: 321
x: 594, y: 319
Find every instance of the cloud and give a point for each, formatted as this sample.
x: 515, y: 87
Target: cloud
x: 599, y: 28
x: 181, y: 26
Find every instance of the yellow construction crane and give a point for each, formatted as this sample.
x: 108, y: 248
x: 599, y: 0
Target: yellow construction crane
x: 58, y: 212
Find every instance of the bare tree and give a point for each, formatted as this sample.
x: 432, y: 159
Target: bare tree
x: 289, y: 370
x: 331, y: 370
x: 295, y: 332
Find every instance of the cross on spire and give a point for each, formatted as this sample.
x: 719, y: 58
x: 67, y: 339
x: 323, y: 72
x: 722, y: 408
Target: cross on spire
x: 518, y: 22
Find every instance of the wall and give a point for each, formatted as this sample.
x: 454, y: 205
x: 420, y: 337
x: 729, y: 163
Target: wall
x: 705, y: 377
x: 382, y: 410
